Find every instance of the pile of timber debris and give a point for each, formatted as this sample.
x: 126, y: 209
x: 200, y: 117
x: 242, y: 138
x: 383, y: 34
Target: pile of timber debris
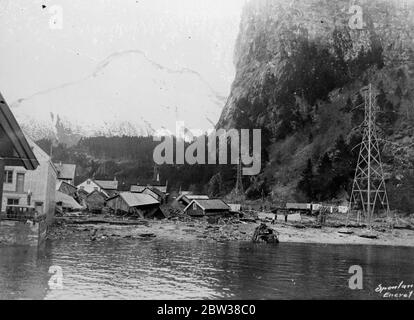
x: 265, y: 234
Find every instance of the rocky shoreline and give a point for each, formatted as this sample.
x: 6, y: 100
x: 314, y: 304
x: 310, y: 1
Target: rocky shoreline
x: 231, y: 229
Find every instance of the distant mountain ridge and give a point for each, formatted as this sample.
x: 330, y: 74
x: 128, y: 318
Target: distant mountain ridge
x: 126, y: 94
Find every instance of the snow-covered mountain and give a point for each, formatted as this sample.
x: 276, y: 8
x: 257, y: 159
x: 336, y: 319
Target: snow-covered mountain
x: 126, y: 94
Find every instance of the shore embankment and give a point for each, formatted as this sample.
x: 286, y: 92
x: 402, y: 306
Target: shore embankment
x: 335, y: 231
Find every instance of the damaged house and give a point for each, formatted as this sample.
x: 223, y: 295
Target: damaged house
x: 107, y: 187
x: 95, y: 201
x: 136, y: 204
x: 66, y: 203
x: 211, y: 207
x: 156, y: 194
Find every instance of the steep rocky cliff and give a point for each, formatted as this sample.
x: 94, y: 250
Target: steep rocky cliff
x: 300, y: 66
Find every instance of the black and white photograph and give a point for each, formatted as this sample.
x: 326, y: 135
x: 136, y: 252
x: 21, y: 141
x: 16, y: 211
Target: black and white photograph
x: 206, y: 150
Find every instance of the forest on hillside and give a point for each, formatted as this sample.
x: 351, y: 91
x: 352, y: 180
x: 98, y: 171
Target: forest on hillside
x: 130, y: 160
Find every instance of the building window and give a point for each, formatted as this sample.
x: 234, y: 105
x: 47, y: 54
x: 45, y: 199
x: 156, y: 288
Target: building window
x: 88, y: 182
x: 20, y: 182
x: 8, y: 176
x: 12, y: 202
x: 194, y: 206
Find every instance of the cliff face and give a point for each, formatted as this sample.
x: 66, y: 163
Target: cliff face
x: 299, y: 68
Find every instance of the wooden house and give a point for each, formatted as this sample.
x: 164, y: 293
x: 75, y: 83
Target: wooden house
x: 34, y: 188
x: 14, y: 147
x: 95, y: 201
x: 210, y: 207
x: 156, y: 194
x: 137, y: 204
x: 66, y: 203
x: 15, y: 151
x: 66, y: 172
x: 108, y: 187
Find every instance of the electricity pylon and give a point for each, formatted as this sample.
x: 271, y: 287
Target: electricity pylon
x: 368, y: 189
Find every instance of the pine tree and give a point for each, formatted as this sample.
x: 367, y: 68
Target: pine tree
x: 215, y: 186
x: 349, y: 105
x: 324, y: 179
x: 342, y: 164
x: 306, y: 184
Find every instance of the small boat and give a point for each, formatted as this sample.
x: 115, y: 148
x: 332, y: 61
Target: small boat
x: 368, y: 235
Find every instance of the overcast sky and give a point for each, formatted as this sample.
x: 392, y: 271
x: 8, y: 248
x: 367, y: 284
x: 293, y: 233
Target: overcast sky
x: 194, y: 34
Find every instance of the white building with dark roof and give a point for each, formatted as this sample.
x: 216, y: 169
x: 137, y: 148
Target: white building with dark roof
x: 34, y: 188
x: 107, y: 187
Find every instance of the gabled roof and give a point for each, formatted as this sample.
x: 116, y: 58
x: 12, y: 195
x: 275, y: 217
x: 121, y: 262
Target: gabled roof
x: 182, y: 194
x: 13, y: 144
x: 40, y: 154
x: 189, y: 197
x: 107, y: 184
x: 104, y: 195
x: 211, y: 204
x: 137, y: 199
x: 137, y: 188
x: 66, y: 171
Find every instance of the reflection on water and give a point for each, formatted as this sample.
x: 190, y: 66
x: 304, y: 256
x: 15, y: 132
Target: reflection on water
x: 128, y: 269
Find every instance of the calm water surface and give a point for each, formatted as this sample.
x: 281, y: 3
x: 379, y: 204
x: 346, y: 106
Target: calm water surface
x: 130, y: 269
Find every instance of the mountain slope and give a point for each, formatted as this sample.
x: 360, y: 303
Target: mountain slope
x: 299, y: 69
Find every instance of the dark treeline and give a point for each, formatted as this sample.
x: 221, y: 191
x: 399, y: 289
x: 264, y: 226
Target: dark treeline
x: 130, y: 160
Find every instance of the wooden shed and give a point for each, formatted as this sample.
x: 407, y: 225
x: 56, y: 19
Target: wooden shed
x: 210, y: 207
x: 95, y: 201
x: 137, y: 204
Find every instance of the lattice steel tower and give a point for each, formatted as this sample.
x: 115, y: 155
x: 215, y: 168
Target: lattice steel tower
x: 368, y: 190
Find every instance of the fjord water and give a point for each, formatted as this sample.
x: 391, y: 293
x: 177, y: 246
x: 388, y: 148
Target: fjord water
x: 133, y: 269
